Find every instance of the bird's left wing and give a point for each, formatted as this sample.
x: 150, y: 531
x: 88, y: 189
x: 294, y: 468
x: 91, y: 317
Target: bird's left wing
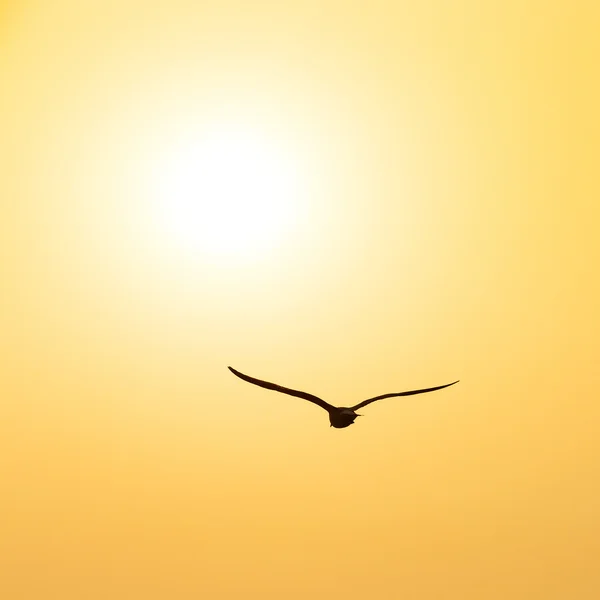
x: 278, y: 388
x: 409, y: 393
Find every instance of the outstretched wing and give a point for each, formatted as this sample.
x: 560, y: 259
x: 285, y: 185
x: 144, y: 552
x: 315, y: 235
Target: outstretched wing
x: 410, y: 393
x: 278, y: 388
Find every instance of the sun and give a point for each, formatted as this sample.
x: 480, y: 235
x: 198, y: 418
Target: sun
x: 228, y: 193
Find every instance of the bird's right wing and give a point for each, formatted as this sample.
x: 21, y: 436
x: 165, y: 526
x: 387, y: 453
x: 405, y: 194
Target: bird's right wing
x: 409, y: 393
x: 278, y: 388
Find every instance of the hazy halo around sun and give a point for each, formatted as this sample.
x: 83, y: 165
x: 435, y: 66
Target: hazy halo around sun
x: 230, y: 193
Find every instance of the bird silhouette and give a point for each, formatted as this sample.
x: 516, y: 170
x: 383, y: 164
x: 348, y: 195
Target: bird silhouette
x: 339, y: 416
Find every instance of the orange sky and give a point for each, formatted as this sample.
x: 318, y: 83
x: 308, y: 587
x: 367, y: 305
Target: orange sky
x: 444, y: 226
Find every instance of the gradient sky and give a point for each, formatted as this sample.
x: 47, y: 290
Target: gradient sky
x: 446, y: 227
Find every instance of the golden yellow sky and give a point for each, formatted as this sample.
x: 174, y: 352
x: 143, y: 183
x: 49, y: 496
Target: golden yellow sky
x: 444, y: 225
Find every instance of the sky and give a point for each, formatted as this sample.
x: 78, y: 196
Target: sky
x: 348, y: 198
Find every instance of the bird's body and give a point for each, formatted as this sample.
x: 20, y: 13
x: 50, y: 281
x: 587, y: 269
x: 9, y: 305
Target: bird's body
x: 339, y: 416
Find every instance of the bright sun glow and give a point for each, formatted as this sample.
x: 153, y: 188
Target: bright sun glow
x: 228, y: 193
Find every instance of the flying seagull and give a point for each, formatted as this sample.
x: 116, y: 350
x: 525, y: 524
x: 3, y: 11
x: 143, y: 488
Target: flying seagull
x: 339, y: 416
